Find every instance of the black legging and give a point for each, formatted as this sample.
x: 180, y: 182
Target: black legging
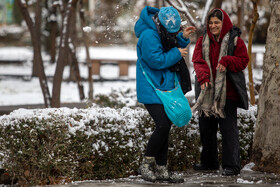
x: 158, y: 143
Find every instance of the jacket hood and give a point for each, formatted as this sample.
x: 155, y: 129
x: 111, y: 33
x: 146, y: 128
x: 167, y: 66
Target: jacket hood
x: 227, y: 24
x: 145, y: 21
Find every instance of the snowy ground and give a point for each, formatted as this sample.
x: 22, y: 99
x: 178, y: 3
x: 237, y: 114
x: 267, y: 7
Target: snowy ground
x: 247, y: 178
x: 15, y: 91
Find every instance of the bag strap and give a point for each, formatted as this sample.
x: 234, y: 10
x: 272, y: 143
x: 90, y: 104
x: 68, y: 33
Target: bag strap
x: 150, y: 81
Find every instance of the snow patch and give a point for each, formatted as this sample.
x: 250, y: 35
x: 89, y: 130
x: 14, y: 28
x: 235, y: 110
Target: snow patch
x: 87, y: 29
x: 242, y: 181
x: 249, y: 166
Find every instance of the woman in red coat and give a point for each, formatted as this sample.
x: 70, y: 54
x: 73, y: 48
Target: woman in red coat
x: 219, y: 58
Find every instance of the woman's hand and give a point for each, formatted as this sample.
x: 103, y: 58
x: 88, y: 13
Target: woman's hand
x: 221, y: 68
x: 187, y: 31
x: 205, y: 85
x: 184, y: 51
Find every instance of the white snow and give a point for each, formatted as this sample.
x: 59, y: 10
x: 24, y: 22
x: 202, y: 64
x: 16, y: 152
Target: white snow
x: 17, y: 91
x: 206, y: 10
x: 28, y: 91
x: 11, y: 29
x: 87, y: 29
x: 184, y: 23
x: 242, y: 181
x: 248, y: 167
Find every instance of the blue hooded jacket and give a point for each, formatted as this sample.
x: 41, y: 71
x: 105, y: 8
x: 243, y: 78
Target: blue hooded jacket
x: 154, y: 60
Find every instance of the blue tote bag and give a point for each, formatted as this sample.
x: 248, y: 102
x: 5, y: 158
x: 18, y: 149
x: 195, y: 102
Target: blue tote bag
x: 175, y: 103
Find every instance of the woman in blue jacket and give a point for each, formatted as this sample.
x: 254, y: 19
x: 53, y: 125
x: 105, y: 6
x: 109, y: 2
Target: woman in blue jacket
x: 160, y: 49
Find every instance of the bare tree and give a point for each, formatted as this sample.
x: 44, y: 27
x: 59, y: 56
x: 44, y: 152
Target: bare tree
x: 86, y: 43
x: 218, y: 3
x: 184, y: 8
x: 240, y: 16
x: 266, y: 144
x: 75, y: 67
x: 73, y: 43
x: 74, y: 74
x: 250, y: 71
x: 63, y: 52
x: 53, y: 27
x: 160, y: 3
x: 35, y: 32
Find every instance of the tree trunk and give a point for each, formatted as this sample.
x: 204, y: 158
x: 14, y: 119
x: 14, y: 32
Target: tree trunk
x: 75, y: 66
x: 35, y: 32
x: 250, y: 70
x: 53, y: 32
x: 266, y: 145
x: 86, y: 43
x: 182, y: 8
x: 218, y: 3
x: 240, y: 17
x: 63, y: 52
x: 239, y: 14
x: 72, y: 39
x: 53, y: 41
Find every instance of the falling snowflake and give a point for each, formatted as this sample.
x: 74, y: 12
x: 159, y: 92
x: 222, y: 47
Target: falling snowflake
x: 184, y: 23
x: 87, y: 29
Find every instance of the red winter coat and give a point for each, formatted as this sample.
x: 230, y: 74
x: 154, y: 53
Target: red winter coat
x: 235, y: 63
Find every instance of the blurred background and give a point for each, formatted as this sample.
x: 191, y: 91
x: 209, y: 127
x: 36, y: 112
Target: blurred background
x: 112, y: 21
x: 101, y: 45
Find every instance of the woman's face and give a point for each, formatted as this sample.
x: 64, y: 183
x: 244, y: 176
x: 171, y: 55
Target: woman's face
x: 215, y: 26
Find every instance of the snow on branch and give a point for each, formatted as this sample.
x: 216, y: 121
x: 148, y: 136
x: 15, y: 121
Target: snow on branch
x: 183, y: 7
x: 206, y: 10
x: 57, y: 3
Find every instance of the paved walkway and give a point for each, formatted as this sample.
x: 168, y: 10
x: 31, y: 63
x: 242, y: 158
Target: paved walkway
x: 193, y: 179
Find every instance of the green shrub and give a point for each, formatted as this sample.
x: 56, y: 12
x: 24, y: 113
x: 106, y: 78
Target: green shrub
x: 50, y: 146
x: 118, y: 99
x: 246, y: 123
x: 43, y: 146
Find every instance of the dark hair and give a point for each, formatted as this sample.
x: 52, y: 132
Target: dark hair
x: 216, y: 13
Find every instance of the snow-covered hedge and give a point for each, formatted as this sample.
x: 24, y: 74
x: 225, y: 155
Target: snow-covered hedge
x: 48, y: 146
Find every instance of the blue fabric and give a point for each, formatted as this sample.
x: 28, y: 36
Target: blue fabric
x: 154, y: 60
x: 170, y: 18
x: 176, y: 105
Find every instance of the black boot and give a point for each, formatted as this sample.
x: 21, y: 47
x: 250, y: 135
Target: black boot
x: 230, y: 171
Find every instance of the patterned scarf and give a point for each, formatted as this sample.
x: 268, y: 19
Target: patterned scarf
x: 212, y: 99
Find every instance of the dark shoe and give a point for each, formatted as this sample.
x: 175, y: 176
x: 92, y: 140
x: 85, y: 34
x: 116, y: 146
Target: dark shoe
x: 201, y: 167
x: 230, y: 172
